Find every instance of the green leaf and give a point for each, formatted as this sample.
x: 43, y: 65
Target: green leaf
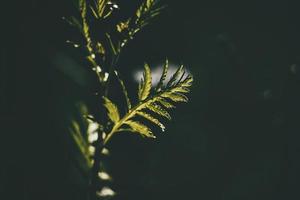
x: 176, y: 97
x: 124, y: 90
x: 146, y: 11
x: 85, y: 26
x: 165, y: 103
x: 175, y: 76
x: 151, y: 119
x: 156, y: 103
x: 158, y: 110
x: 113, y: 112
x: 180, y: 90
x: 101, y: 6
x: 151, y: 103
x: 94, y: 12
x: 146, y: 84
x: 163, y: 76
x: 187, y: 82
x: 149, y: 3
x: 140, y: 128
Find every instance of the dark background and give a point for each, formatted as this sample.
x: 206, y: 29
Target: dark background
x: 237, y: 138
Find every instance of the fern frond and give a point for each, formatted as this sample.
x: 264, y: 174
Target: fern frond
x: 187, y: 82
x: 165, y: 103
x: 139, y: 128
x: 102, y: 9
x: 181, y: 90
x: 148, y: 10
x: 147, y: 7
x: 94, y: 12
x: 163, y: 76
x: 85, y: 26
x: 151, y: 119
x: 113, y: 112
x: 101, y: 6
x: 175, y: 76
x: 176, y: 97
x: 156, y: 103
x: 158, y: 110
x: 146, y: 84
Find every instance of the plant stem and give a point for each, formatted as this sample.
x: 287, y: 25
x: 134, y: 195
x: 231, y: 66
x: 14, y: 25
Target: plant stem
x: 99, y: 144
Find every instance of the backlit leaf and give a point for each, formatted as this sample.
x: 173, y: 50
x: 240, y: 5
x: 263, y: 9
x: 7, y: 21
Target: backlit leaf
x: 113, y: 112
x: 146, y: 84
x: 152, y: 119
x: 163, y: 76
x: 140, y: 128
x: 158, y: 110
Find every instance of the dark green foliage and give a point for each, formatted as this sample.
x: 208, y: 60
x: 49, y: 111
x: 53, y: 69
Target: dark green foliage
x: 103, y: 55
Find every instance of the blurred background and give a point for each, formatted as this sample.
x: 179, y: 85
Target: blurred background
x: 237, y: 138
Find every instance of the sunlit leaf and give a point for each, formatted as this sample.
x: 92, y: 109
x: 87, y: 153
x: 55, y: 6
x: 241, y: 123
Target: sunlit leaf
x: 146, y: 84
x: 156, y: 103
x: 175, y: 76
x: 176, y: 97
x: 158, y: 110
x: 140, y: 128
x: 151, y: 119
x: 113, y: 112
x: 165, y: 103
x: 163, y: 76
x: 94, y: 12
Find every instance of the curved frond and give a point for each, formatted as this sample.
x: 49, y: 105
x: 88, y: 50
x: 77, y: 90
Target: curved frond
x: 163, y: 76
x: 151, y: 119
x: 176, y: 97
x: 165, y: 103
x: 158, y: 110
x: 113, y: 112
x: 147, y: 10
x: 175, y: 76
x: 155, y: 103
x: 146, y: 84
x: 139, y: 128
